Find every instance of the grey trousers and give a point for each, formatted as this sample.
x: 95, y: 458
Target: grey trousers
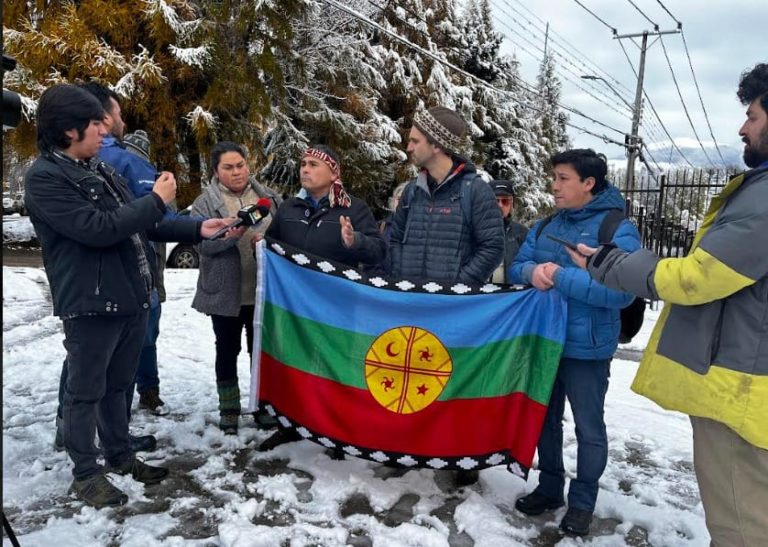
x: 733, y: 481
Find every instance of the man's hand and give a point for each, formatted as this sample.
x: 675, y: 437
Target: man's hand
x: 543, y: 276
x: 255, y: 240
x: 165, y: 187
x: 580, y: 258
x: 213, y: 225
x: 347, y: 232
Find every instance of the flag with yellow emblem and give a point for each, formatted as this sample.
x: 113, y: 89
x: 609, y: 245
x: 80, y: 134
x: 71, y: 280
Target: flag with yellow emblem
x: 444, y: 375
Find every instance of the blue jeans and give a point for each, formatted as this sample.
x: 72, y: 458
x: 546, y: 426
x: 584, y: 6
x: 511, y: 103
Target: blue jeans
x: 102, y: 353
x: 584, y: 383
x: 146, y: 374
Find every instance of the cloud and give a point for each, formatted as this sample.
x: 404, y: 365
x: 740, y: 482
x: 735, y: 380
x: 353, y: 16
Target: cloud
x: 724, y: 38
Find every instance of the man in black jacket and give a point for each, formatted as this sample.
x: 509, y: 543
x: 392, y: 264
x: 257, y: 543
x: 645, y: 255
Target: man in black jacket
x: 93, y: 234
x: 324, y: 219
x: 514, y: 232
x: 447, y: 226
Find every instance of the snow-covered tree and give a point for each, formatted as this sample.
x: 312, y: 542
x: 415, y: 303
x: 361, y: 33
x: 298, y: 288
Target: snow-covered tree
x: 552, y: 118
x: 506, y: 133
x: 189, y: 73
x: 333, y: 85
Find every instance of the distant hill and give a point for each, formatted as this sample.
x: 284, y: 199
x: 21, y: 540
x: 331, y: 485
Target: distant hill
x: 667, y: 156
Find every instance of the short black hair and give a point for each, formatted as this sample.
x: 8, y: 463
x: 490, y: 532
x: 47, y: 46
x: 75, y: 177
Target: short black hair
x: 63, y: 107
x: 222, y: 148
x: 102, y: 93
x: 587, y: 163
x: 754, y: 85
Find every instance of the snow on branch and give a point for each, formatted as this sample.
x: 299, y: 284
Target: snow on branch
x: 192, y: 56
x: 202, y: 121
x: 182, y: 29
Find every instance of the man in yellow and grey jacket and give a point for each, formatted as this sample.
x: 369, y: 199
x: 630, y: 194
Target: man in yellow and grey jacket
x: 708, y: 355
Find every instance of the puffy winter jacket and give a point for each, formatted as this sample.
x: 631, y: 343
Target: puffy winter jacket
x: 139, y: 173
x: 317, y: 230
x: 708, y: 355
x: 593, y: 310
x: 90, y: 260
x: 432, y: 238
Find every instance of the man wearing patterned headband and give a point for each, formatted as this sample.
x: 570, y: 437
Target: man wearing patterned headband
x: 323, y: 219
x: 447, y: 227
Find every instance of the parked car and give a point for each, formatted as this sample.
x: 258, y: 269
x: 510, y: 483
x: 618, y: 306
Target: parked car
x: 181, y: 255
x: 13, y: 203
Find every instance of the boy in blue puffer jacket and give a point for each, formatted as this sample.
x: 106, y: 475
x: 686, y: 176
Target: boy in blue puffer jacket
x: 583, y: 197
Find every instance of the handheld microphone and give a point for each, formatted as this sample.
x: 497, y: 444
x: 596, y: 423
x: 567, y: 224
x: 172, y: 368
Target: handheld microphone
x: 250, y: 215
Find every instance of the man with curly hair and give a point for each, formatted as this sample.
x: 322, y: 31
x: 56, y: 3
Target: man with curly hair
x: 708, y: 355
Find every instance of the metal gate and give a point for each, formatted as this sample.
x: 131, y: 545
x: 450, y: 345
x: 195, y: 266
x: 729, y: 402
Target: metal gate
x: 669, y: 209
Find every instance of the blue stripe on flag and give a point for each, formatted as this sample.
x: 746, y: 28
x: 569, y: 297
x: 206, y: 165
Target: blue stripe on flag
x: 459, y: 321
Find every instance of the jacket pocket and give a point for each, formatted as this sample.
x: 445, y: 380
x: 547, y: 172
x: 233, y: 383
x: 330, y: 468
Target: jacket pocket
x: 691, y: 335
x: 212, y: 276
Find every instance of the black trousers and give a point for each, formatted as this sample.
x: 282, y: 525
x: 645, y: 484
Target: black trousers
x: 102, y: 356
x: 229, y: 332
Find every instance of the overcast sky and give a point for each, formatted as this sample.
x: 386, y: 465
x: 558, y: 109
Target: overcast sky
x: 724, y: 37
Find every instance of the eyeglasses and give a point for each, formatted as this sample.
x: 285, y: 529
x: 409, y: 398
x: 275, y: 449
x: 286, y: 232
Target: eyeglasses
x: 503, y: 201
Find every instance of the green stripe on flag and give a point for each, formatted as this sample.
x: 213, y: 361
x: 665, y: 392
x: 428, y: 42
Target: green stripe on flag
x: 523, y: 364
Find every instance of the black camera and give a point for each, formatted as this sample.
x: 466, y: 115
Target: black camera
x: 11, y: 100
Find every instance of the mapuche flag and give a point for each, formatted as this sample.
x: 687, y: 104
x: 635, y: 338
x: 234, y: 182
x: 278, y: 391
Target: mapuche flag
x: 444, y: 375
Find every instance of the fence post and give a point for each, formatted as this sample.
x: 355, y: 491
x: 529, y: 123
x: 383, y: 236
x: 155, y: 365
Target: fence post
x: 660, y: 215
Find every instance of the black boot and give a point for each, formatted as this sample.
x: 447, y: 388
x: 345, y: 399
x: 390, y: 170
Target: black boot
x: 576, y: 522
x: 535, y: 503
x: 466, y: 477
x: 148, y: 474
x: 281, y: 436
x: 143, y: 443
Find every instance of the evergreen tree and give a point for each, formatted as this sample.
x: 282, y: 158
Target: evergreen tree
x: 333, y: 85
x: 189, y: 73
x: 506, y: 133
x: 553, y: 120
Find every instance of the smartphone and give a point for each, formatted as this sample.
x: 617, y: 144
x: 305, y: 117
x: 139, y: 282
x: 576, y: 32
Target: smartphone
x: 566, y: 243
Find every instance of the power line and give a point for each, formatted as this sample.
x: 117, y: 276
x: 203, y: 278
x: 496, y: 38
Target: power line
x: 669, y: 13
x: 519, y: 82
x: 653, y: 109
x: 593, y: 14
x: 682, y: 101
x: 655, y: 26
x: 698, y: 91
x: 569, y: 46
x: 572, y: 80
x: 575, y: 81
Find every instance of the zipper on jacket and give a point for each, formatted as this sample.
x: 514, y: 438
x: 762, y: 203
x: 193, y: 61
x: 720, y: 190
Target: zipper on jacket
x: 98, y: 279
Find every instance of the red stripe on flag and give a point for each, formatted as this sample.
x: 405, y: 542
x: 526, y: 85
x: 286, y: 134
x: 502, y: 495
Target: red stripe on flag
x: 445, y: 428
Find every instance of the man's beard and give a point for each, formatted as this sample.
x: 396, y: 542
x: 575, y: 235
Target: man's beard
x: 757, y: 153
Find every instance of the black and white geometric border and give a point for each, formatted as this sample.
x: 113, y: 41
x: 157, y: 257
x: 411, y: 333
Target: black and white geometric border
x: 400, y: 459
x: 344, y: 271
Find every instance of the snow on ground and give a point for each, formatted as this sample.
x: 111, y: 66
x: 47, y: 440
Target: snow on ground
x: 17, y: 229
x: 223, y: 492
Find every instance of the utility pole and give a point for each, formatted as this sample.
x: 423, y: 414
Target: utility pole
x: 633, y: 140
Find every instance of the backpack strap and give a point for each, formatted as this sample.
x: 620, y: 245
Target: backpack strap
x: 543, y: 224
x: 405, y: 200
x: 609, y: 225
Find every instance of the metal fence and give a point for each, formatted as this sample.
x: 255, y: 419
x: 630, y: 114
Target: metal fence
x: 669, y: 209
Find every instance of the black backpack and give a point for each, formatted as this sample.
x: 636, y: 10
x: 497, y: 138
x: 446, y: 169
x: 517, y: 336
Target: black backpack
x: 631, y: 316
